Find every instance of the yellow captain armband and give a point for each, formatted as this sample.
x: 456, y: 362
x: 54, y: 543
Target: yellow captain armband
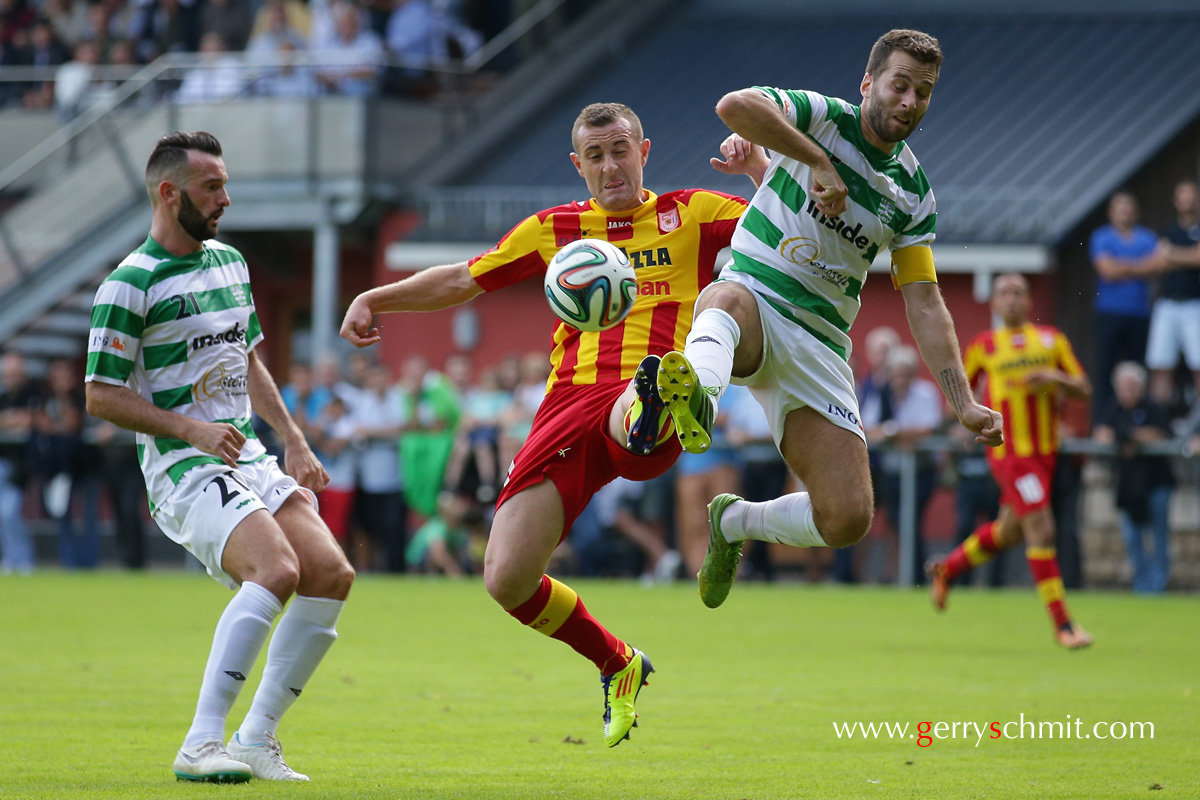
x: 913, y: 265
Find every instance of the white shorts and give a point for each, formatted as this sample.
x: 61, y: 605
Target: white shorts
x: 211, y: 499
x: 1174, y: 327
x: 798, y: 371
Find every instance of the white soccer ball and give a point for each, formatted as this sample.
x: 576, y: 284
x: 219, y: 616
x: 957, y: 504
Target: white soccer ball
x: 590, y: 285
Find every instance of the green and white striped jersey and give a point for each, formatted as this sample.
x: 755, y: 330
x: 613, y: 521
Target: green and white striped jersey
x: 808, y: 267
x: 178, y: 331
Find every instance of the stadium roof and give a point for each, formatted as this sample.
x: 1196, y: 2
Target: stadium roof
x: 1031, y: 126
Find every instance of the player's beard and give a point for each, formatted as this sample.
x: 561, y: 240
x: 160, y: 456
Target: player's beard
x: 194, y: 223
x: 885, y: 127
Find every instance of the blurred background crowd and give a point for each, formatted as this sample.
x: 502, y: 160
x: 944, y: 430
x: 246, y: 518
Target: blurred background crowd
x: 418, y: 441
x: 94, y: 44
x: 416, y: 459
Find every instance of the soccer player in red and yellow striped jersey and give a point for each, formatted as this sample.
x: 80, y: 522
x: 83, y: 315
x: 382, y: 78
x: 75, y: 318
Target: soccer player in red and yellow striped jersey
x: 601, y: 417
x: 1027, y: 368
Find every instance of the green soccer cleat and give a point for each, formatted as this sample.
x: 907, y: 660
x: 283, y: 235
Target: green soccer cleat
x: 689, y: 404
x: 621, y: 691
x: 716, y: 574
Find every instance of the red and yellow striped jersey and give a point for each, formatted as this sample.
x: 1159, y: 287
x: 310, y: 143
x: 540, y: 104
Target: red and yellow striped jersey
x: 1007, y: 356
x: 672, y: 240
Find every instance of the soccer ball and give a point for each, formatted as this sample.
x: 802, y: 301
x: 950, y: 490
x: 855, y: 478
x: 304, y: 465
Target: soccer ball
x: 590, y: 285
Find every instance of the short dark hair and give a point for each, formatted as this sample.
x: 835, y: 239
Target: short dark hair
x: 597, y: 115
x: 171, y: 154
x: 921, y: 46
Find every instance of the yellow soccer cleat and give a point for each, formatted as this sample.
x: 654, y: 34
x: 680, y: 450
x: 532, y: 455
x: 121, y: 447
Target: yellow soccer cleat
x: 689, y: 404
x: 620, y: 693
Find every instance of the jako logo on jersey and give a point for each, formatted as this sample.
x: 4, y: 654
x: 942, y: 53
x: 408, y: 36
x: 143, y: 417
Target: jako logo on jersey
x: 620, y: 229
x: 218, y: 381
x: 234, y: 334
x: 648, y: 258
x: 845, y: 414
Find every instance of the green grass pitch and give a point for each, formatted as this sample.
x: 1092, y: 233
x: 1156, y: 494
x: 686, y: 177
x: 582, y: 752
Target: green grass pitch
x: 433, y: 692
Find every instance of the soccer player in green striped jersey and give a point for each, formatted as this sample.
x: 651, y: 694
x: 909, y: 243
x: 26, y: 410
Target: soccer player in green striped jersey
x: 839, y: 187
x: 172, y: 357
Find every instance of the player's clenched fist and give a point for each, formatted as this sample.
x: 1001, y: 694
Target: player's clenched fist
x: 219, y: 439
x: 356, y: 325
x: 828, y: 190
x: 987, y: 424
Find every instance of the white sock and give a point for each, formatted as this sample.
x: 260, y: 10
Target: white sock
x: 710, y: 346
x: 301, y: 640
x: 239, y: 637
x: 784, y: 520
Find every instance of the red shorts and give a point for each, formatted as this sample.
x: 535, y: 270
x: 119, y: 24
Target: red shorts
x: 335, y: 508
x: 569, y: 444
x: 1025, y: 481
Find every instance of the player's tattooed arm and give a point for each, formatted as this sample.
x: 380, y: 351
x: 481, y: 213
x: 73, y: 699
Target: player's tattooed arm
x: 954, y: 387
x: 933, y: 329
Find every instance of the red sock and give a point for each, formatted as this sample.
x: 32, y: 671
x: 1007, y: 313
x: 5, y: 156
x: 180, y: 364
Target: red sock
x: 1043, y: 566
x: 556, y: 611
x: 978, y: 548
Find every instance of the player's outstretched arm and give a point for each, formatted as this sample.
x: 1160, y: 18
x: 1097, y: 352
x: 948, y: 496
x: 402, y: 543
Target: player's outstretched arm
x: 754, y: 116
x: 429, y: 290
x: 931, y: 326
x: 299, y: 461
x: 127, y: 409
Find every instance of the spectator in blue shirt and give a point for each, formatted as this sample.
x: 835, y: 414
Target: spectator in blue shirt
x: 1125, y: 256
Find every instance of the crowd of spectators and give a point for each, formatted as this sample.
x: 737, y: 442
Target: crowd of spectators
x: 416, y: 459
x: 92, y: 44
x: 1147, y: 363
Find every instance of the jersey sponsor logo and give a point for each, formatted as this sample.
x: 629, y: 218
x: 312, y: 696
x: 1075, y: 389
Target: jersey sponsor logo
x: 844, y: 413
x: 804, y: 253
x: 619, y: 229
x: 113, y: 342
x: 1025, y: 362
x: 668, y: 220
x: 800, y: 250
x: 658, y: 257
x: 235, y: 334
x: 838, y: 225
x: 218, y: 381
x: 654, y: 287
